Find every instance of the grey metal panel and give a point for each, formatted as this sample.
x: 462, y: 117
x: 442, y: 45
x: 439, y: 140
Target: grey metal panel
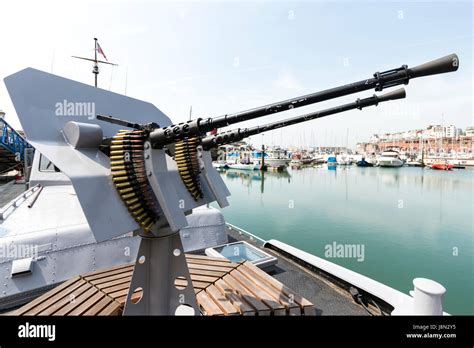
x: 35, y: 95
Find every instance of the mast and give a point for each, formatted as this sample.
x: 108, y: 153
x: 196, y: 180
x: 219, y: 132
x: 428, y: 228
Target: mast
x: 95, y: 68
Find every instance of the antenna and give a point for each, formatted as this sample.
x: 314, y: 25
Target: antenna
x: 95, y: 69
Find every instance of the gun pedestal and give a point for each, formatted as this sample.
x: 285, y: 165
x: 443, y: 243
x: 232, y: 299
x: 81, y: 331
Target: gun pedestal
x: 161, y: 271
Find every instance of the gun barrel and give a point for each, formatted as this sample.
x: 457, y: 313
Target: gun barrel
x: 241, y: 133
x: 379, y: 81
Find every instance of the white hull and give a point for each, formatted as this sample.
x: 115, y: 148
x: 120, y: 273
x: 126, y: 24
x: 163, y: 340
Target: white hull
x: 219, y: 165
x: 390, y: 162
x: 343, y: 160
x: 277, y: 162
x: 244, y: 166
x: 414, y: 164
x: 295, y: 162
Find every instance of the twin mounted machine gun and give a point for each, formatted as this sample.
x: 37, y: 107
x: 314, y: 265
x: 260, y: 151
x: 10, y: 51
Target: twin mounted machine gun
x: 156, y: 174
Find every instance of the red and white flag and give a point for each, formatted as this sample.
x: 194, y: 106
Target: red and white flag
x: 99, y: 49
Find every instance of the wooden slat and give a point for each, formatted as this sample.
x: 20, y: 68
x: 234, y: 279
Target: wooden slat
x: 122, y: 299
x: 221, y: 301
x: 212, y: 263
x: 222, y: 288
x: 112, y: 309
x: 242, y: 306
x: 107, y: 271
x: 125, y: 280
x: 196, y: 284
x: 39, y: 300
x: 191, y: 257
x: 308, y: 307
x: 88, y: 304
x: 208, y: 305
x: 124, y: 275
x: 121, y: 293
x: 276, y: 307
x: 117, y: 272
x: 210, y: 268
x: 115, y: 288
x: 291, y: 306
x: 217, y: 274
x: 202, y: 278
x: 77, y: 301
x: 65, y: 299
x: 247, y: 296
x: 99, y: 306
x: 65, y: 294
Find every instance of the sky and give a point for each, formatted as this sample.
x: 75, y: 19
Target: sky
x: 224, y: 57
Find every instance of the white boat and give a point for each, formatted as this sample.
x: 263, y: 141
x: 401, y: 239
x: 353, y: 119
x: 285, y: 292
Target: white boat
x: 274, y: 162
x: 244, y: 166
x: 389, y: 159
x: 343, y: 159
x: 414, y: 163
x: 220, y: 165
x: 295, y: 162
x: 319, y: 159
x: 277, y: 159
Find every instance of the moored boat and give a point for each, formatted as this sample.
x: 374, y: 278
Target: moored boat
x: 364, y: 163
x: 414, y: 163
x: 244, y: 166
x: 442, y: 166
x: 389, y: 159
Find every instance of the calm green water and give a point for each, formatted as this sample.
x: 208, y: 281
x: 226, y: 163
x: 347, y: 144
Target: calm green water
x: 413, y: 222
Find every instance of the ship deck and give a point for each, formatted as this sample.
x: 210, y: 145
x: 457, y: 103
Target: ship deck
x: 328, y: 297
x: 221, y: 287
x: 9, y: 191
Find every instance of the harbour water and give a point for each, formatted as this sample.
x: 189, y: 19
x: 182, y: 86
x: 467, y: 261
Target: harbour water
x: 409, y: 222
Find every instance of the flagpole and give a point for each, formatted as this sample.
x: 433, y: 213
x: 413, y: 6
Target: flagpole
x: 96, y: 64
x: 96, y: 61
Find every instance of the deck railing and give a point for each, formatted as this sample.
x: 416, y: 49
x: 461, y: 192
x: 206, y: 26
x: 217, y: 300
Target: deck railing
x: 12, y: 141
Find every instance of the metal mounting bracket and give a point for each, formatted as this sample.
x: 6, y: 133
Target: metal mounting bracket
x: 161, y: 273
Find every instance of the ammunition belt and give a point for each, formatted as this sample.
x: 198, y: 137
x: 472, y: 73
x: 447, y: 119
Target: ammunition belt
x: 127, y: 166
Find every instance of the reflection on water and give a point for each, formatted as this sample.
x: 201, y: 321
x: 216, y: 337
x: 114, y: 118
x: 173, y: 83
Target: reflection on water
x: 249, y: 177
x: 413, y: 222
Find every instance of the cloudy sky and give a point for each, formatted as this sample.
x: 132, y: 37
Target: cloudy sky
x: 226, y: 57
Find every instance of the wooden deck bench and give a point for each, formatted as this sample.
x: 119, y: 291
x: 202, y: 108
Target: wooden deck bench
x: 222, y: 288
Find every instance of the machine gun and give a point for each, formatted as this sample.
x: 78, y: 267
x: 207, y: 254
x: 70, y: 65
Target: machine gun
x: 238, y: 134
x: 154, y: 176
x: 187, y: 139
x: 128, y: 163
